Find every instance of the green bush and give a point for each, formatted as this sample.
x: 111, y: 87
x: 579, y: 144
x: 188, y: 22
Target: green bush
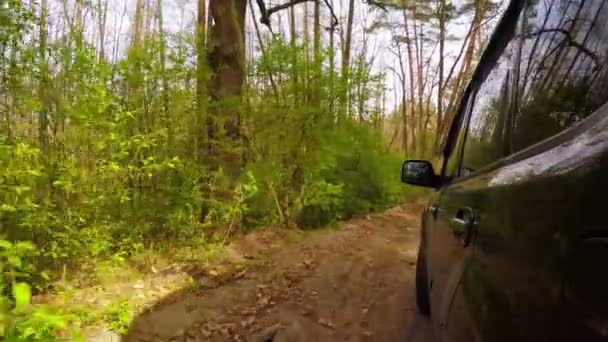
x: 20, y: 320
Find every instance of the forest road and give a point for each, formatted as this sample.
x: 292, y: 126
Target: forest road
x: 353, y: 283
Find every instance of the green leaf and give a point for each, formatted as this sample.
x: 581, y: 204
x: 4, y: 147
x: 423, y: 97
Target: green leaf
x: 7, y: 208
x: 21, y: 189
x: 25, y: 246
x: 5, y: 244
x: 23, y: 295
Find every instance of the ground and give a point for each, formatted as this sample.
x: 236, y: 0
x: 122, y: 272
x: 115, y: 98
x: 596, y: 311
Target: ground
x: 354, y: 282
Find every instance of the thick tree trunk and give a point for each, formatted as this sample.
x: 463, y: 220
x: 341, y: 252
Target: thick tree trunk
x: 226, y: 58
x: 227, y: 48
x: 226, y: 62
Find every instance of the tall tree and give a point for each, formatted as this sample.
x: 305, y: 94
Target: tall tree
x: 202, y: 79
x: 317, y: 60
x: 102, y: 13
x: 226, y: 58
x: 43, y: 89
x: 163, y: 69
x: 332, y: 62
x: 441, y: 9
x: 412, y: 62
x: 346, y: 53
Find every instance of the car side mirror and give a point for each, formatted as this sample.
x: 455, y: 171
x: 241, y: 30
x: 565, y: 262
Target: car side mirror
x: 420, y: 173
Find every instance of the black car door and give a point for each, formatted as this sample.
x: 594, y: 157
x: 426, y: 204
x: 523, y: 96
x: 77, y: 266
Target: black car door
x: 480, y: 139
x: 558, y: 176
x: 534, y: 167
x: 447, y: 245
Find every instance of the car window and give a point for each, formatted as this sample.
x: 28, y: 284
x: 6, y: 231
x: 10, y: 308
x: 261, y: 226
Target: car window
x: 453, y: 162
x: 485, y: 141
x: 563, y: 76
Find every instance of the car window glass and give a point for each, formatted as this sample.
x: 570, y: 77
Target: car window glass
x: 564, y: 68
x: 453, y: 162
x: 485, y: 141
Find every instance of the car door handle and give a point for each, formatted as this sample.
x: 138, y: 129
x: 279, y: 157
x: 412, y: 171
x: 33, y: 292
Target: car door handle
x: 434, y: 210
x: 463, y: 224
x: 459, y: 227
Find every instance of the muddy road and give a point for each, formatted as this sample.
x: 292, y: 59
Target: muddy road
x: 352, y: 283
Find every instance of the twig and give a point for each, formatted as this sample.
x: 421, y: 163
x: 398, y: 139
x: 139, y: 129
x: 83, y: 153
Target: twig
x: 277, y: 203
x: 571, y: 42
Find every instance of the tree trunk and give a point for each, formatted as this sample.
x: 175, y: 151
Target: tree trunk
x: 402, y: 79
x: 460, y: 80
x: 411, y: 63
x: 138, y: 23
x: 227, y: 71
x: 79, y: 27
x: 201, y: 78
x: 332, y: 67
x: 306, y: 48
x: 346, y: 60
x: 317, y: 58
x: 226, y: 61
x: 135, y: 79
x: 293, y: 39
x: 227, y: 48
x: 441, y: 12
x: 44, y: 82
x: 103, y: 14
x: 165, y: 80
x: 419, y: 39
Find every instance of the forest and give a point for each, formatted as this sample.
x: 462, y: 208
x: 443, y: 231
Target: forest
x: 134, y: 127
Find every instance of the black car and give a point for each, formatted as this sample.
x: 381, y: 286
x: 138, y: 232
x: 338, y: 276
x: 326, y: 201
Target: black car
x: 514, y: 242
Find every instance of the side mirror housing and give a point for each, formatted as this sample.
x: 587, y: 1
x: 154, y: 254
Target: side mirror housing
x: 420, y: 173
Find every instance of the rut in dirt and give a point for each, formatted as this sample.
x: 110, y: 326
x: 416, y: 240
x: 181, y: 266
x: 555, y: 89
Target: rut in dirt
x: 354, y: 283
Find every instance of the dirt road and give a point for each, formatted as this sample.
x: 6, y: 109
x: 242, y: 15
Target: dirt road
x: 354, y: 283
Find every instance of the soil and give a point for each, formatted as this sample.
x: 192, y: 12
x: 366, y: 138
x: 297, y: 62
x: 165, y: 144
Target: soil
x: 354, y: 282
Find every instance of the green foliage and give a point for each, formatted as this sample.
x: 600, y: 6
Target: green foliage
x: 233, y: 210
x: 119, y: 316
x: 318, y: 168
x: 20, y: 320
x: 101, y: 159
x: 319, y: 203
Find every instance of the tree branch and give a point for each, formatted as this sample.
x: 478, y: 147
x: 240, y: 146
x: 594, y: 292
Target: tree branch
x: 267, y: 13
x: 464, y: 43
x: 571, y: 41
x: 382, y: 5
x: 335, y: 21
